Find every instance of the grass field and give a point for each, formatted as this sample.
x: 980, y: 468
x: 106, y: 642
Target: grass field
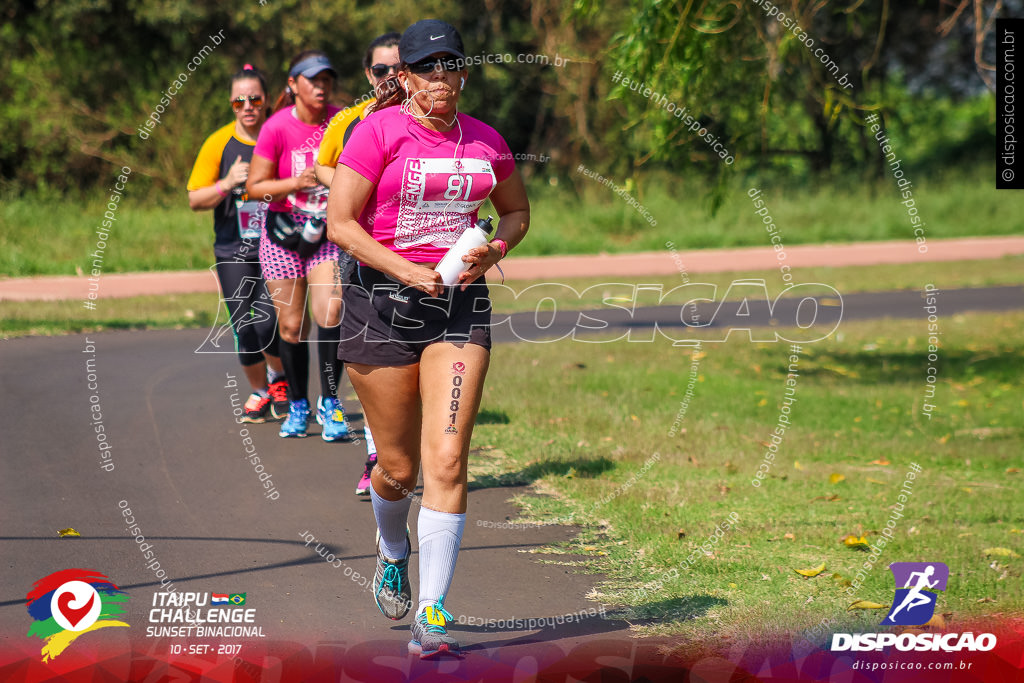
x: 148, y: 236
x: 201, y: 310
x: 601, y: 432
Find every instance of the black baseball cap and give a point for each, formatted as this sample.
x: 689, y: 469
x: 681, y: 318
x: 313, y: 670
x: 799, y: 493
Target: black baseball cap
x: 311, y: 66
x: 427, y: 37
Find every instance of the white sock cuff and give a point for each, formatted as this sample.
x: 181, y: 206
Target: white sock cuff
x: 431, y: 521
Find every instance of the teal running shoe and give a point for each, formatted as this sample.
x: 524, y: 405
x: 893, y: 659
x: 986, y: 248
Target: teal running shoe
x: 331, y: 415
x: 298, y: 416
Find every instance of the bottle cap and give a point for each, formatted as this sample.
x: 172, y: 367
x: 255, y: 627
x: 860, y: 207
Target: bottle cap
x: 485, y: 224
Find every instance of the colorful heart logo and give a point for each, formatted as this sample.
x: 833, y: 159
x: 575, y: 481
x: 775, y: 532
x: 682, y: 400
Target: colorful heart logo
x: 73, y: 615
x: 72, y: 618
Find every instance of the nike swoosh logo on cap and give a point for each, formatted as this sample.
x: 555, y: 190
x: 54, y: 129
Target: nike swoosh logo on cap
x: 437, y: 37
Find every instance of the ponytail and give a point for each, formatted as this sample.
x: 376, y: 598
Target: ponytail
x: 285, y: 99
x: 389, y: 93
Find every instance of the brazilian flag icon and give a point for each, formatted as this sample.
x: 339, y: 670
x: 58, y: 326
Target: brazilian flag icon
x: 237, y: 598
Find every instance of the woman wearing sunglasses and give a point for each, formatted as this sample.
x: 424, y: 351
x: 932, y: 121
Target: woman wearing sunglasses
x: 380, y: 61
x: 408, y: 184
x: 298, y: 262
x: 218, y: 182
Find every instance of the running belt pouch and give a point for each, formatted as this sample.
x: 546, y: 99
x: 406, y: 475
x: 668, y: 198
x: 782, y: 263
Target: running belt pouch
x: 284, y: 230
x: 395, y: 302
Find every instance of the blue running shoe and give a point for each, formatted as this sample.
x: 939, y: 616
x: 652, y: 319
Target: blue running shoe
x: 298, y: 416
x: 331, y: 415
x: 429, y: 635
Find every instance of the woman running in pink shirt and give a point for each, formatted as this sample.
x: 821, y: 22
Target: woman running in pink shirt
x: 298, y: 262
x: 408, y: 183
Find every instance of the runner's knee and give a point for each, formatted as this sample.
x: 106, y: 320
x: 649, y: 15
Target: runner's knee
x: 446, y: 466
x: 400, y: 477
x: 291, y: 333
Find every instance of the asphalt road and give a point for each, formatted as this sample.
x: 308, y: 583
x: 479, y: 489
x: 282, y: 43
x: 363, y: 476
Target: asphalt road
x: 179, y: 466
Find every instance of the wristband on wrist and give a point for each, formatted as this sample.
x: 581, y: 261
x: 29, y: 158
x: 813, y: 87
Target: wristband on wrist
x: 221, y: 192
x: 502, y: 246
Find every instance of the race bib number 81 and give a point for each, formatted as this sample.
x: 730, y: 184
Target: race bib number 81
x: 439, y: 197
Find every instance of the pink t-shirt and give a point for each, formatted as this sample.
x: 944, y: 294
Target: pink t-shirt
x: 292, y: 145
x: 426, y: 192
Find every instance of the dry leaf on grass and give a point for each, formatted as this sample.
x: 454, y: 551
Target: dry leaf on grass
x: 812, y: 572
x: 835, y: 478
x: 856, y: 543
x: 1000, y: 552
x: 866, y: 604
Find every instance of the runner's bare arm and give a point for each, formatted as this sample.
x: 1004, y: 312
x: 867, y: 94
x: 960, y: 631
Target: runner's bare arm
x: 264, y: 185
x: 349, y: 194
x: 205, y: 198
x: 325, y: 174
x: 513, y: 207
x: 209, y: 197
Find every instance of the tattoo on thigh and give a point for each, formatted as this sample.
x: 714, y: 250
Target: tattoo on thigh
x: 336, y: 284
x: 458, y: 370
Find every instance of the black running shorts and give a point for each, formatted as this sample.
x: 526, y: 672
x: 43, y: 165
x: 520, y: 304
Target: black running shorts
x: 385, y: 323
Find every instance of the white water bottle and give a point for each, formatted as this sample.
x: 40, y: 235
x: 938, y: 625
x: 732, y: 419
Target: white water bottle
x: 452, y: 264
x: 312, y: 231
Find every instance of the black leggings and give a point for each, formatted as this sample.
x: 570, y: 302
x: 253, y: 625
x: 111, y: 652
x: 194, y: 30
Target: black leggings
x: 250, y: 310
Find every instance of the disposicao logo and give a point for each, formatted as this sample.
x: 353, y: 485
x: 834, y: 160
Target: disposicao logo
x: 914, y: 605
x: 916, y: 582
x: 69, y: 603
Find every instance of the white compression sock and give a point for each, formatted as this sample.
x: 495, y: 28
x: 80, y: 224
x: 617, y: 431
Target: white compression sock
x: 392, y: 520
x: 440, y: 535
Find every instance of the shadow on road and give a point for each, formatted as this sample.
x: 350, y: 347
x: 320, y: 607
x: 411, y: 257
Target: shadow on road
x: 313, y: 558
x: 580, y: 467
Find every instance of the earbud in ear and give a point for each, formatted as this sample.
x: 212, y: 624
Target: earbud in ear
x: 462, y: 83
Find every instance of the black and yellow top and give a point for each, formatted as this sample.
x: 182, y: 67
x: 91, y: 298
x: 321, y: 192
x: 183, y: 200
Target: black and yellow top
x: 232, y: 228
x: 339, y: 130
